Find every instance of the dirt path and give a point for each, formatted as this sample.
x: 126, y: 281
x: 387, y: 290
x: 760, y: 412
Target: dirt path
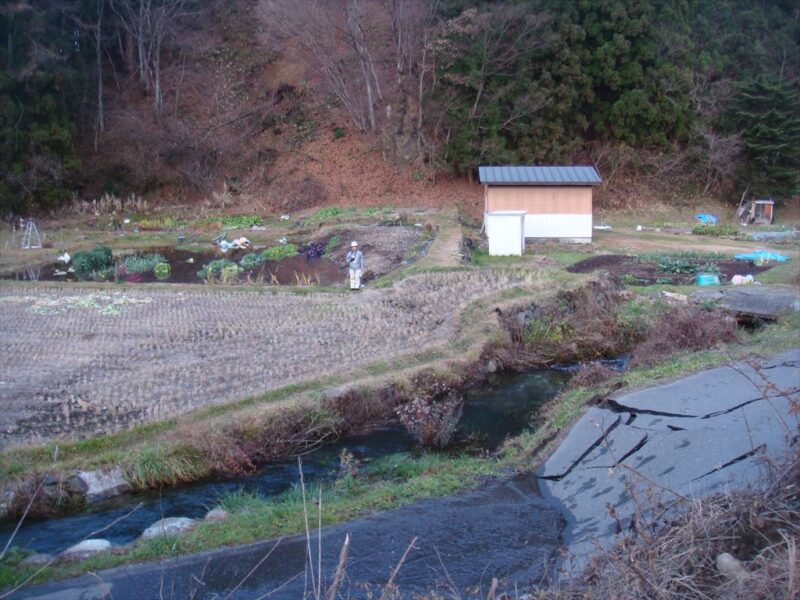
x: 632, y: 240
x: 446, y: 248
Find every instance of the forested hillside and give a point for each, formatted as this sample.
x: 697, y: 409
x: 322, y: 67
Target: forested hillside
x: 284, y: 100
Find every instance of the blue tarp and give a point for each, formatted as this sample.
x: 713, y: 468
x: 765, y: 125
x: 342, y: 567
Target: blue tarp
x: 763, y: 255
x: 707, y: 219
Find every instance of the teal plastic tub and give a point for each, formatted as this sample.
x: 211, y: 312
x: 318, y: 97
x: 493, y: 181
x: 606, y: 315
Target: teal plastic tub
x: 707, y: 279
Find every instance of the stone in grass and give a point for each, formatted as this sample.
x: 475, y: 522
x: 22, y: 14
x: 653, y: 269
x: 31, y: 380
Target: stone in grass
x: 169, y: 526
x: 86, y: 548
x: 36, y: 560
x: 216, y: 515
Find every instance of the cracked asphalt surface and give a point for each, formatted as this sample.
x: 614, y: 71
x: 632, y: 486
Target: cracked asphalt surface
x: 717, y: 430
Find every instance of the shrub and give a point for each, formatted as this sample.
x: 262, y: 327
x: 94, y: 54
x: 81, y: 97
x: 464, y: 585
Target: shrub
x: 160, y: 223
x: 590, y: 375
x: 312, y: 250
x: 141, y: 263
x: 719, y: 230
x: 279, y: 252
x: 432, y: 423
x: 681, y: 328
x: 251, y: 261
x: 338, y: 132
x: 88, y: 262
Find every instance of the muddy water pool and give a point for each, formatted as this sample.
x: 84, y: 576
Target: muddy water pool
x: 185, y: 263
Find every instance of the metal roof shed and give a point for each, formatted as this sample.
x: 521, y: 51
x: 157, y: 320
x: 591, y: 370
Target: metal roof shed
x: 557, y: 199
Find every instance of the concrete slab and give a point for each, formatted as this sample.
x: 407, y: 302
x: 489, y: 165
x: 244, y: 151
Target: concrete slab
x: 715, y: 390
x: 712, y: 432
x: 764, y: 301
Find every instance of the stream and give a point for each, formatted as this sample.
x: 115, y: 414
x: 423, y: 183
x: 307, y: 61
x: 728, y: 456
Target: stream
x: 492, y: 412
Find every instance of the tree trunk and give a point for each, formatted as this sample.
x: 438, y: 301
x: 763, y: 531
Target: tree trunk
x: 358, y: 39
x: 101, y: 119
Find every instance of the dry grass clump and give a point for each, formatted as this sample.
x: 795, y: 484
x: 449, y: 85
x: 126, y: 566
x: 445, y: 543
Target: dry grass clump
x: 683, y: 558
x: 578, y: 325
x: 360, y: 410
x: 590, y: 375
x: 432, y: 413
x: 431, y: 422
x: 681, y: 328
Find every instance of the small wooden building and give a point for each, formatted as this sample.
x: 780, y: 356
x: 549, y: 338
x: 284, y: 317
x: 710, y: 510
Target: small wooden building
x: 557, y: 200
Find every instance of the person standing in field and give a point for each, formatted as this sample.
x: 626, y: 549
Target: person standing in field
x: 355, y: 262
x: 116, y: 222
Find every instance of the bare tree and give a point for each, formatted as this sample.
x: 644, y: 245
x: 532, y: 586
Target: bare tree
x: 148, y: 23
x: 359, y: 43
x: 329, y: 37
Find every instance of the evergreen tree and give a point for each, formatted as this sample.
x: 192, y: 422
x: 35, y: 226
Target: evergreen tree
x: 768, y: 116
x: 42, y: 83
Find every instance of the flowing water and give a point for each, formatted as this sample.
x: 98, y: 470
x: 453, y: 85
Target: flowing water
x: 492, y: 412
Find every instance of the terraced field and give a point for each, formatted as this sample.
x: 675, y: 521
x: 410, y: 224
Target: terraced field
x: 77, y: 362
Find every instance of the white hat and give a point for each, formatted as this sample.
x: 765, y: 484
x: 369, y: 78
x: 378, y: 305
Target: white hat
x: 353, y: 244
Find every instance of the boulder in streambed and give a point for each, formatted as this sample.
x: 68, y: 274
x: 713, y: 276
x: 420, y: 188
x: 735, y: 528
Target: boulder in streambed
x: 102, y: 484
x: 86, y: 548
x: 169, y: 526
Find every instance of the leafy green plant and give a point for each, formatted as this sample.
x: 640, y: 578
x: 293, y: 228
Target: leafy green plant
x: 87, y: 262
x: 241, y: 221
x: 332, y: 243
x: 141, y: 263
x: 162, y: 270
x: 279, y: 252
x: 719, y: 230
x: 656, y: 257
x: 339, y: 132
x: 252, y: 261
x: 329, y: 212
x: 629, y: 279
x: 676, y: 265
x: 214, y: 268
x: 229, y: 273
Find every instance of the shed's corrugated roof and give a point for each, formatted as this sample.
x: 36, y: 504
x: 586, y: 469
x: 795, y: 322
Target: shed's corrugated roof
x: 568, y: 175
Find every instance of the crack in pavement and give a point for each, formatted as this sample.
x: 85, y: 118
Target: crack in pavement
x: 622, y: 459
x: 740, y: 458
x: 597, y: 443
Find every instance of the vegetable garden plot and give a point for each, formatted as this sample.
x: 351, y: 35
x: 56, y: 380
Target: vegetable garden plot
x: 666, y: 269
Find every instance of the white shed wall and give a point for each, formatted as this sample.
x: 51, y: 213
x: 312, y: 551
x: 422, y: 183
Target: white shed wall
x: 574, y: 227
x: 506, y: 233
